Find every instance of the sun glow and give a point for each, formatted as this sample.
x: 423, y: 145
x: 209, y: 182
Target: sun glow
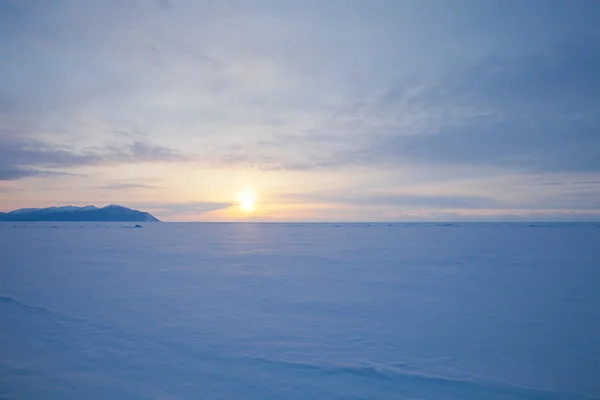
x: 247, y: 200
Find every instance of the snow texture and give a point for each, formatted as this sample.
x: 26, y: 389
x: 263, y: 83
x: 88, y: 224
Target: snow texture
x: 290, y: 311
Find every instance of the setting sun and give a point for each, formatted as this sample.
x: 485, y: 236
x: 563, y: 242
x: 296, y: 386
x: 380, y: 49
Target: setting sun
x: 247, y: 200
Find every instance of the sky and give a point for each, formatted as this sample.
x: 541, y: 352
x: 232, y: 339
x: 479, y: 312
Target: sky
x: 328, y: 110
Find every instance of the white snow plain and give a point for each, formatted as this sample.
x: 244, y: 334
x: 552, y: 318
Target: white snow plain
x: 299, y: 311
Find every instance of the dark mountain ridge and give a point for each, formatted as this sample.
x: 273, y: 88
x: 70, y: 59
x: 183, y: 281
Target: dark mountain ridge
x: 114, y: 213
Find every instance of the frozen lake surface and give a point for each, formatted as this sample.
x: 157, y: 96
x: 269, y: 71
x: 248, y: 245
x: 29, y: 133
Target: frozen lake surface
x: 292, y: 311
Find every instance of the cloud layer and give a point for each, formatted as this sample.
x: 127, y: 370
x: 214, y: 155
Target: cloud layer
x: 435, y: 99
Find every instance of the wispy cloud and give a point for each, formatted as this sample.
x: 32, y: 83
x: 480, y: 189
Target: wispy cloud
x: 34, y: 158
x: 390, y: 200
x: 188, y: 208
x: 127, y: 186
x: 8, y: 173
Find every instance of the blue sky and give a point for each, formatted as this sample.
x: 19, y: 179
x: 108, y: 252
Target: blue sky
x: 326, y: 110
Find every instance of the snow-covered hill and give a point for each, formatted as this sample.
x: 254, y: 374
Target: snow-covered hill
x: 74, y: 213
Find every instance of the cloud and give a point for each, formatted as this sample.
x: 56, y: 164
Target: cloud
x: 434, y: 89
x: 588, y: 182
x: 126, y: 186
x: 164, y: 4
x: 490, y: 93
x: 34, y: 158
x: 390, y: 200
x: 188, y: 208
x: 8, y: 173
x: 532, y: 113
x: 475, y: 193
x: 141, y: 152
x: 13, y: 173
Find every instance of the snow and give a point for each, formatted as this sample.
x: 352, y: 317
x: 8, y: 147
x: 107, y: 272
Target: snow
x: 48, y: 209
x: 54, y: 209
x: 88, y: 208
x: 24, y: 210
x: 116, y: 206
x: 290, y: 311
x: 62, y: 208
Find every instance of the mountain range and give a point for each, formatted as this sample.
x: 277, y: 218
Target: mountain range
x: 114, y: 213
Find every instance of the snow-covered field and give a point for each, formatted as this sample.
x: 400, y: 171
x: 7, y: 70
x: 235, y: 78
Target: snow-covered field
x: 291, y: 311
